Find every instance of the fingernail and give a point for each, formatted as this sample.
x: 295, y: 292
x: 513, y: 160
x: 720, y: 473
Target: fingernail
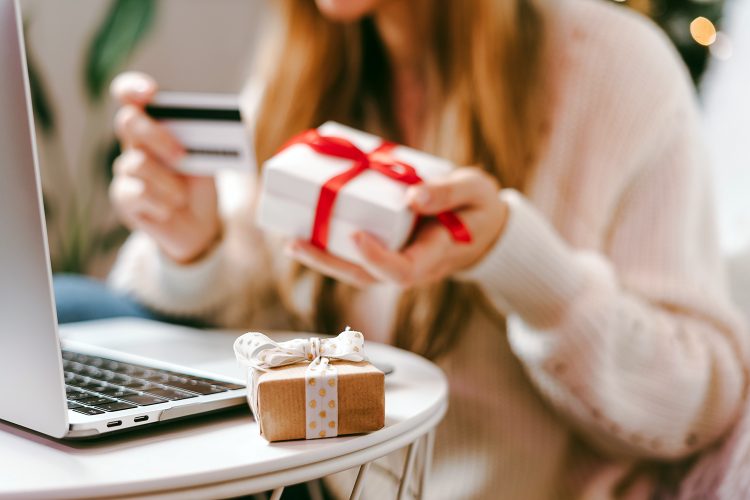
x: 142, y: 87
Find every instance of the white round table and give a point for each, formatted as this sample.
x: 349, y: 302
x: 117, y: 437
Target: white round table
x: 219, y: 455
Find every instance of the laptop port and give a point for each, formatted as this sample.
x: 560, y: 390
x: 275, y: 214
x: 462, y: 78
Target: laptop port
x: 114, y: 423
x: 142, y: 418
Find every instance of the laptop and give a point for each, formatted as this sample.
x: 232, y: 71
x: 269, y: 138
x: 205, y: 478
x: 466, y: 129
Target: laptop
x: 66, y: 390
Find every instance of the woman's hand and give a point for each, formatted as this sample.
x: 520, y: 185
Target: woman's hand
x: 432, y: 254
x: 179, y: 212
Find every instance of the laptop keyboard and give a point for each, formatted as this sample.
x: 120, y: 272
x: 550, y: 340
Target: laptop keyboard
x: 96, y: 385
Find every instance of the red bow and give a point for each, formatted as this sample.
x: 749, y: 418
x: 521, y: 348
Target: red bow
x: 381, y: 160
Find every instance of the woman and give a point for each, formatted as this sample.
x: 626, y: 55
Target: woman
x: 586, y: 331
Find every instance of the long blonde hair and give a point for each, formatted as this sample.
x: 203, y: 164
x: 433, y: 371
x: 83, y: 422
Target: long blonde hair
x: 486, y: 107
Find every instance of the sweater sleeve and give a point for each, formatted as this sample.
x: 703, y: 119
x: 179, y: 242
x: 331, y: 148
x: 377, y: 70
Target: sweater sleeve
x: 637, y: 343
x: 647, y: 365
x: 234, y: 286
x: 635, y: 339
x: 194, y: 290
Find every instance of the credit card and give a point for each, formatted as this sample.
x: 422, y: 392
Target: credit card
x: 210, y: 128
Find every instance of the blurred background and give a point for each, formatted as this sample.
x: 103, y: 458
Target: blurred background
x: 77, y: 46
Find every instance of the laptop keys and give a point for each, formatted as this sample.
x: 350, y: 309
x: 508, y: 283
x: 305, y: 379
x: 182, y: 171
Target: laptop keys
x: 95, y: 401
x: 158, y: 378
x: 93, y: 372
x: 115, y: 406
x: 144, y: 400
x: 227, y: 385
x: 95, y: 385
x: 172, y: 394
x: 118, y: 379
x: 77, y: 396
x: 193, y: 386
x: 88, y: 411
x: 118, y: 393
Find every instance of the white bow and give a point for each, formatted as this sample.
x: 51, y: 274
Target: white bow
x: 258, y: 351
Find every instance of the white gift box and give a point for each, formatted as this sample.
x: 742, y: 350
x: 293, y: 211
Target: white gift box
x: 371, y: 202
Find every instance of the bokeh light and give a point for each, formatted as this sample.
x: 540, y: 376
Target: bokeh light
x: 703, y: 31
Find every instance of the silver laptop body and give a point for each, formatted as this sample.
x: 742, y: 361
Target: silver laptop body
x: 32, y: 382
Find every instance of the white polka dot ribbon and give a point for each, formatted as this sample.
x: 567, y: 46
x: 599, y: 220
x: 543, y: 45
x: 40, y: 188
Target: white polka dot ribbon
x: 260, y: 354
x: 321, y: 400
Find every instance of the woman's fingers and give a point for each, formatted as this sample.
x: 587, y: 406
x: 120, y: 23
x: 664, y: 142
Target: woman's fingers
x: 420, y: 262
x: 317, y: 259
x: 432, y: 254
x: 137, y: 130
x: 164, y: 183
x: 463, y: 187
x: 134, y: 193
x: 383, y: 263
x: 133, y: 88
x: 179, y: 212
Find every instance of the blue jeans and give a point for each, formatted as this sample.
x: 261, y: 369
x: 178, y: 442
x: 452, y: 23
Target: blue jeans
x: 80, y: 298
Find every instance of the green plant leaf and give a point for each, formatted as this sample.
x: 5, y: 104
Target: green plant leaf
x: 112, y: 239
x: 50, y: 208
x: 124, y: 27
x: 44, y: 115
x: 110, y: 155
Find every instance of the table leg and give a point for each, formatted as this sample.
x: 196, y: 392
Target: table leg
x: 428, y: 446
x: 360, y: 482
x: 276, y: 495
x: 424, y: 445
x: 411, y: 455
x: 314, y: 489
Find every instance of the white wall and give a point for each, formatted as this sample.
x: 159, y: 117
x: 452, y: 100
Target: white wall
x: 195, y: 45
x: 726, y: 97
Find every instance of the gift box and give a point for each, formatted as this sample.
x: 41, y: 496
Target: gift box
x: 312, y: 388
x: 331, y: 182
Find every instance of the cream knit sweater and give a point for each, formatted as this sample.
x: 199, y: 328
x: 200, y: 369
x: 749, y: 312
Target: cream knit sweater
x: 621, y: 345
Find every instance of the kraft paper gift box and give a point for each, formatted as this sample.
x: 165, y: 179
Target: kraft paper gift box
x: 315, y: 166
x: 312, y: 388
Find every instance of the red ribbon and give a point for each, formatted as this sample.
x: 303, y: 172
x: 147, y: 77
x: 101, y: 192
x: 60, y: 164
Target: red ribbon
x: 381, y: 160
